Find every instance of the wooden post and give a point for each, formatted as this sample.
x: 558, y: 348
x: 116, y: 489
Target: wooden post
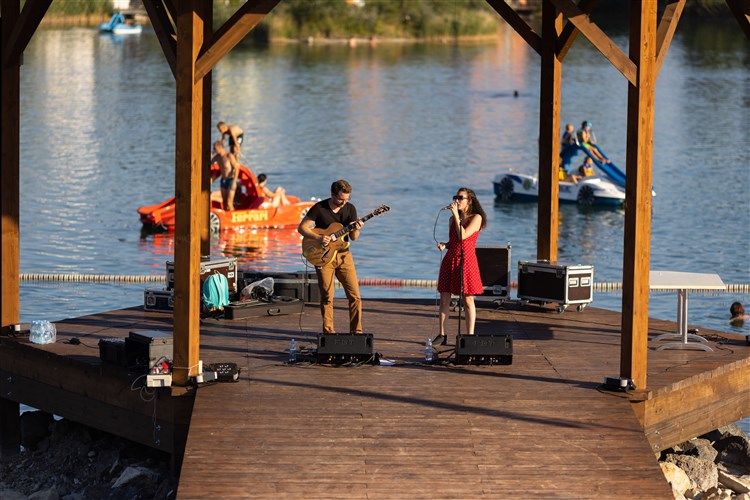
x: 9, y: 163
x: 549, y: 131
x: 205, y: 202
x: 638, y: 182
x: 188, y: 163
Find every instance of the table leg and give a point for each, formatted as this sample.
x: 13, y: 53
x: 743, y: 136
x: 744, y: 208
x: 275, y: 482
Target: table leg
x: 682, y: 328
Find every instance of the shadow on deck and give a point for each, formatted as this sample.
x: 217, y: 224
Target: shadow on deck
x: 541, y: 426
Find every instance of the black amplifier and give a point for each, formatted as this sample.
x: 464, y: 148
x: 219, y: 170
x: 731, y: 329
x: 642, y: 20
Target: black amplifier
x: 495, y: 349
x: 494, y: 269
x: 345, y: 348
x: 145, y: 348
x: 112, y: 350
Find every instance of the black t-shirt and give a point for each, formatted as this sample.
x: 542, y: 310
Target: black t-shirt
x: 323, y: 216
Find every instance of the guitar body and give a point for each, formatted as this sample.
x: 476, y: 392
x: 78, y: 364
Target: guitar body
x: 317, y: 254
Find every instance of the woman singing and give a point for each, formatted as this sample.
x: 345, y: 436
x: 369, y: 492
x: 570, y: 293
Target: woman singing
x: 463, y: 230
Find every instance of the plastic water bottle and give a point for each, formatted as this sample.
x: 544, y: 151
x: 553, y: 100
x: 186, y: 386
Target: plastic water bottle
x: 428, y: 351
x: 293, y: 351
x: 42, y: 332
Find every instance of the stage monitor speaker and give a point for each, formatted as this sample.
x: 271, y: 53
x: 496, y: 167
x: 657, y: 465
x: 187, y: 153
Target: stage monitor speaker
x: 495, y: 349
x: 345, y: 348
x: 494, y: 269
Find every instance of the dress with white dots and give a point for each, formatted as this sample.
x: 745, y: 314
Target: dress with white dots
x: 450, y: 268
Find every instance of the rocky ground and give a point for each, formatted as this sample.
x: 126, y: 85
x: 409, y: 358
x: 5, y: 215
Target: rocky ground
x: 65, y: 460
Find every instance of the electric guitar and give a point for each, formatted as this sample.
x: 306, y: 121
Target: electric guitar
x: 319, y: 255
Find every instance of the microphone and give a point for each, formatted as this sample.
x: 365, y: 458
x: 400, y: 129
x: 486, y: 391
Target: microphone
x: 447, y: 208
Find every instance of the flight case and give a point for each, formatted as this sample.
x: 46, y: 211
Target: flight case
x: 253, y: 308
x: 226, y: 266
x: 546, y: 282
x: 299, y: 285
x: 159, y: 300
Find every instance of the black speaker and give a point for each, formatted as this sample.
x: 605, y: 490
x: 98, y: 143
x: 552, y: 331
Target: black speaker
x: 494, y: 269
x: 495, y: 349
x: 345, y: 348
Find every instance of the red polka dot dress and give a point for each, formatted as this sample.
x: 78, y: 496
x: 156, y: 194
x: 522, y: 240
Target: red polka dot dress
x: 450, y: 269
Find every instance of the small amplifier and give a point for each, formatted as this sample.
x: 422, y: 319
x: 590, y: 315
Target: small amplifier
x: 496, y: 349
x: 345, y: 348
x: 145, y: 348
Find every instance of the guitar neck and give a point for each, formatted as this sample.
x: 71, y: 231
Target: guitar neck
x: 348, y: 228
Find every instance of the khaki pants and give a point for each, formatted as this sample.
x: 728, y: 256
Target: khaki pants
x: 342, y: 267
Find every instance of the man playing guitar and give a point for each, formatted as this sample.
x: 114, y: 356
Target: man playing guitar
x: 335, y: 210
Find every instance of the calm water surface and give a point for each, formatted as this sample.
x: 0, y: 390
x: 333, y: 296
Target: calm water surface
x: 406, y: 125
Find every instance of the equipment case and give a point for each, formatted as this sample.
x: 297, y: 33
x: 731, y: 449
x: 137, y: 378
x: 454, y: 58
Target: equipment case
x: 545, y: 282
x: 300, y: 285
x: 227, y: 267
x: 159, y: 300
x: 494, y: 269
x: 254, y: 308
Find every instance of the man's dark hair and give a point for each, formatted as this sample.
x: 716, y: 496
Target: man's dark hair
x: 340, y: 186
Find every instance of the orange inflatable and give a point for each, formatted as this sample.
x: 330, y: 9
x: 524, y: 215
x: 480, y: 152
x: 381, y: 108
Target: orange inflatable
x: 251, y: 209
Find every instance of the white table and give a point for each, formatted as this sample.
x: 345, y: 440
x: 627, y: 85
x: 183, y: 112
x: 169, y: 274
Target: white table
x: 683, y: 282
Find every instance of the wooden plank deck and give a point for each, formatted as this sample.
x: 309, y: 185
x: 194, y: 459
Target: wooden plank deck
x: 536, y: 428
x: 539, y: 427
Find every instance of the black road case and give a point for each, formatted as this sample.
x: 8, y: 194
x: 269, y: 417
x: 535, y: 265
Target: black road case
x: 254, y: 308
x: 547, y: 282
x: 159, y: 300
x: 226, y: 266
x: 300, y: 285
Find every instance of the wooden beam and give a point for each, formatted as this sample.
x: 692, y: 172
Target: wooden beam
x: 598, y: 38
x: 665, y: 32
x: 517, y: 23
x: 638, y: 182
x: 570, y: 32
x: 23, y: 29
x: 205, y: 200
x: 159, y: 17
x: 549, y: 133
x: 231, y: 33
x: 188, y: 166
x: 677, y: 413
x: 741, y: 11
x: 10, y: 307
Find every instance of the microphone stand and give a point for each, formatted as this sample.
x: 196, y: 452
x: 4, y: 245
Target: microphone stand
x: 461, y: 278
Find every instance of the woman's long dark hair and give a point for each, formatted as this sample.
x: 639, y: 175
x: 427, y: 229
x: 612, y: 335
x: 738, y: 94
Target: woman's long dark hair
x: 474, y: 206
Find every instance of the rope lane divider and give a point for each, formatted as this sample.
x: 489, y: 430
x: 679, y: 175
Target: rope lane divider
x: 374, y: 282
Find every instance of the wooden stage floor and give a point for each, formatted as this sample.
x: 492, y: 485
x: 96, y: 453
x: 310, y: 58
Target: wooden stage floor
x: 540, y: 427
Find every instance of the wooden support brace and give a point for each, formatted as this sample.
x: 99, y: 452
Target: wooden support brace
x: 518, y: 24
x: 231, y: 33
x: 741, y: 11
x: 598, y: 38
x: 165, y: 33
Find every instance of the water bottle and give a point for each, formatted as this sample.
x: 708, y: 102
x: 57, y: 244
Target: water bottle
x: 292, y: 351
x: 428, y: 351
x: 42, y: 332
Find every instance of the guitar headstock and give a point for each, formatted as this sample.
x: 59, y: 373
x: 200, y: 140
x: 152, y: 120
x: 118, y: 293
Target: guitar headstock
x: 381, y: 210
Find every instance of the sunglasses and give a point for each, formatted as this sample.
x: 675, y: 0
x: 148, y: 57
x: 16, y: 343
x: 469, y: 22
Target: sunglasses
x: 459, y: 198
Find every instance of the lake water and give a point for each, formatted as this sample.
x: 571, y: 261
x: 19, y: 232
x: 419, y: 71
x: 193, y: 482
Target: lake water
x: 406, y: 125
